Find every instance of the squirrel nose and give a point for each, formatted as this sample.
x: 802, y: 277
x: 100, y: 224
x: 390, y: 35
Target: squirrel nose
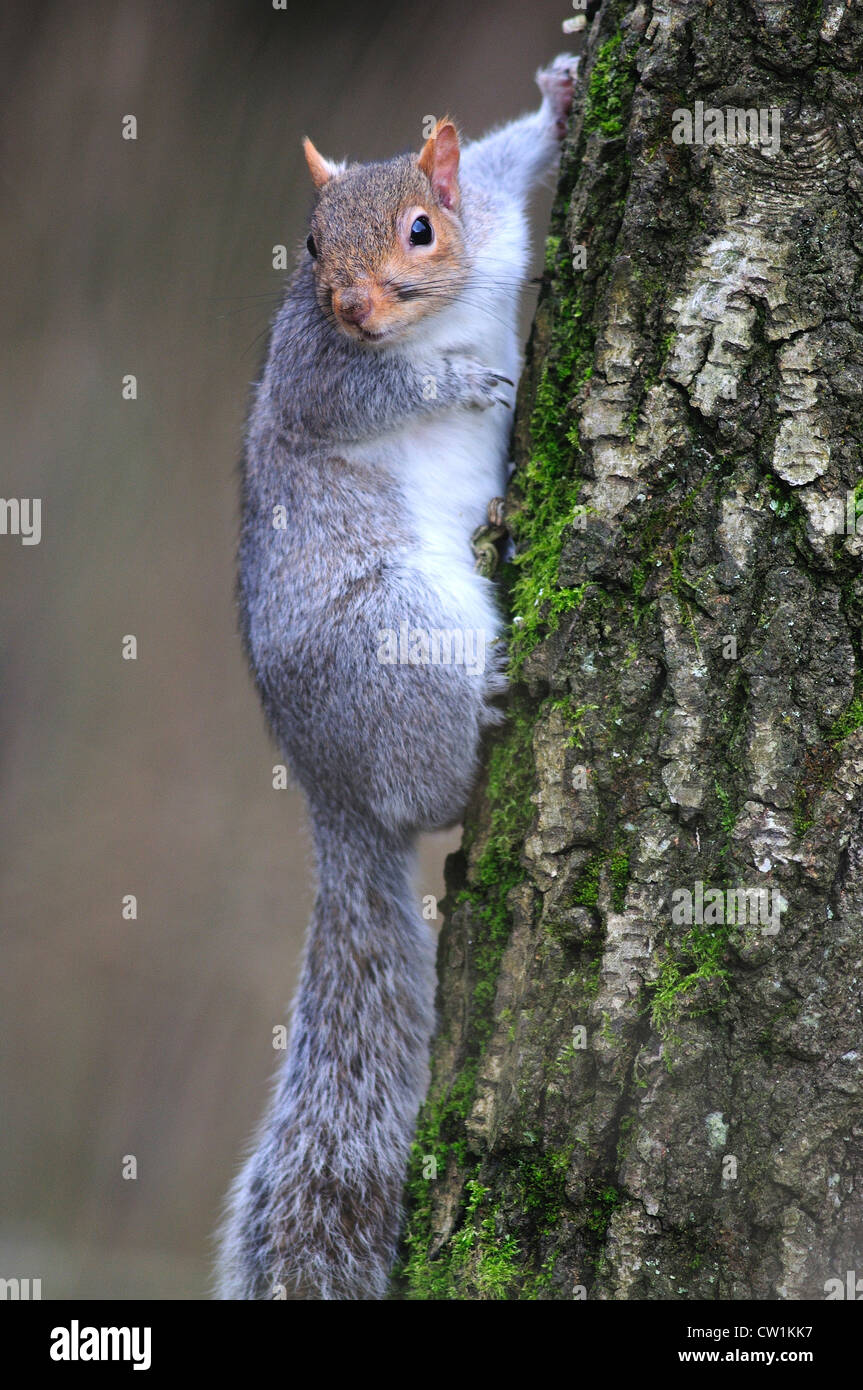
x: 353, y: 305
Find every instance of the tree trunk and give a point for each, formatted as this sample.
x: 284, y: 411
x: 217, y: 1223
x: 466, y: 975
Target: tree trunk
x: 628, y: 1102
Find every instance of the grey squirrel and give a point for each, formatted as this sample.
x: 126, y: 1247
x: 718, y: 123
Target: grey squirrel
x: 377, y: 436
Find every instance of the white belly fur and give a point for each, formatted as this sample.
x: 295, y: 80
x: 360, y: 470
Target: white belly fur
x: 450, y: 465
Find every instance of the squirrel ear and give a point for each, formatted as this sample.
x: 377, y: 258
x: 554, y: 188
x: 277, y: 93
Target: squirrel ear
x: 439, y: 162
x: 321, y: 169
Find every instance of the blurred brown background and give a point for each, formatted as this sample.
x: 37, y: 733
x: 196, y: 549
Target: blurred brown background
x: 154, y: 1037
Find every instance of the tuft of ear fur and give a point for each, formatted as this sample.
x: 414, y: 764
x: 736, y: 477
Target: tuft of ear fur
x: 439, y: 162
x: 321, y: 170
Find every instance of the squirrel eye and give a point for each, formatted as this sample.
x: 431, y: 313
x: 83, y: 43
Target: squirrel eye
x: 312, y: 248
x: 421, y: 232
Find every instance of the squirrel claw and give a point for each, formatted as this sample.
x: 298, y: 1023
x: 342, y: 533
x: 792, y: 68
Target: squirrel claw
x: 479, y: 384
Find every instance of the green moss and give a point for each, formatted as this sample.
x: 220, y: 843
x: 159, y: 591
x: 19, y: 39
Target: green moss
x: 549, y: 485
x: 541, y: 1185
x: 591, y: 977
x: 441, y: 1125
x: 440, y: 1131
x: 680, y: 545
x: 610, y: 89
x: 552, y: 247
x: 728, y: 817
x: 650, y: 282
x: 699, y: 958
x: 574, y: 715
x: 602, y: 1204
x: 482, y: 1262
x: 499, y: 868
x: 585, y: 891
x: 849, y: 720
x: 549, y: 481
x: 618, y: 870
x: 660, y: 549
x: 651, y: 287
x: 476, y: 1263
x: 624, y: 1131
x: 727, y: 820
x: 802, y: 811
x: 780, y: 502
x: 786, y: 505
x: 820, y: 762
x: 543, y: 1280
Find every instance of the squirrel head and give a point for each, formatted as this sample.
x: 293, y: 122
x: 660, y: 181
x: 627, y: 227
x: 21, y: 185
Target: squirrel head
x: 386, y: 240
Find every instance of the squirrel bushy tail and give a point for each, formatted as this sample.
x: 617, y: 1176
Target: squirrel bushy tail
x: 315, y: 1212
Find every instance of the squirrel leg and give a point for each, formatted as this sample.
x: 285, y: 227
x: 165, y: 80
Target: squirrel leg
x: 518, y: 154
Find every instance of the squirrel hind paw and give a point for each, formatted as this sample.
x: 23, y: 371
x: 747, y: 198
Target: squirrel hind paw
x: 494, y: 512
x: 487, y: 539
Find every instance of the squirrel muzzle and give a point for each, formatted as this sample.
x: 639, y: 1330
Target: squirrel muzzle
x: 354, y: 305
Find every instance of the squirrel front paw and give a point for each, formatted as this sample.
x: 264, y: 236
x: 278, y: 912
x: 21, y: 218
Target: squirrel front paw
x: 556, y: 82
x: 475, y: 384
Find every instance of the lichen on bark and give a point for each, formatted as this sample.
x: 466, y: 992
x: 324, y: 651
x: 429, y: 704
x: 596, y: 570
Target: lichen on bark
x: 622, y: 1105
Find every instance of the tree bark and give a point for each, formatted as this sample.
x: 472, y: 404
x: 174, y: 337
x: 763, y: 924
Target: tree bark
x: 626, y: 1104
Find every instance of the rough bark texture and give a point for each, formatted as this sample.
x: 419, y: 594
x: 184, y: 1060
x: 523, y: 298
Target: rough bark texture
x: 622, y: 1105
